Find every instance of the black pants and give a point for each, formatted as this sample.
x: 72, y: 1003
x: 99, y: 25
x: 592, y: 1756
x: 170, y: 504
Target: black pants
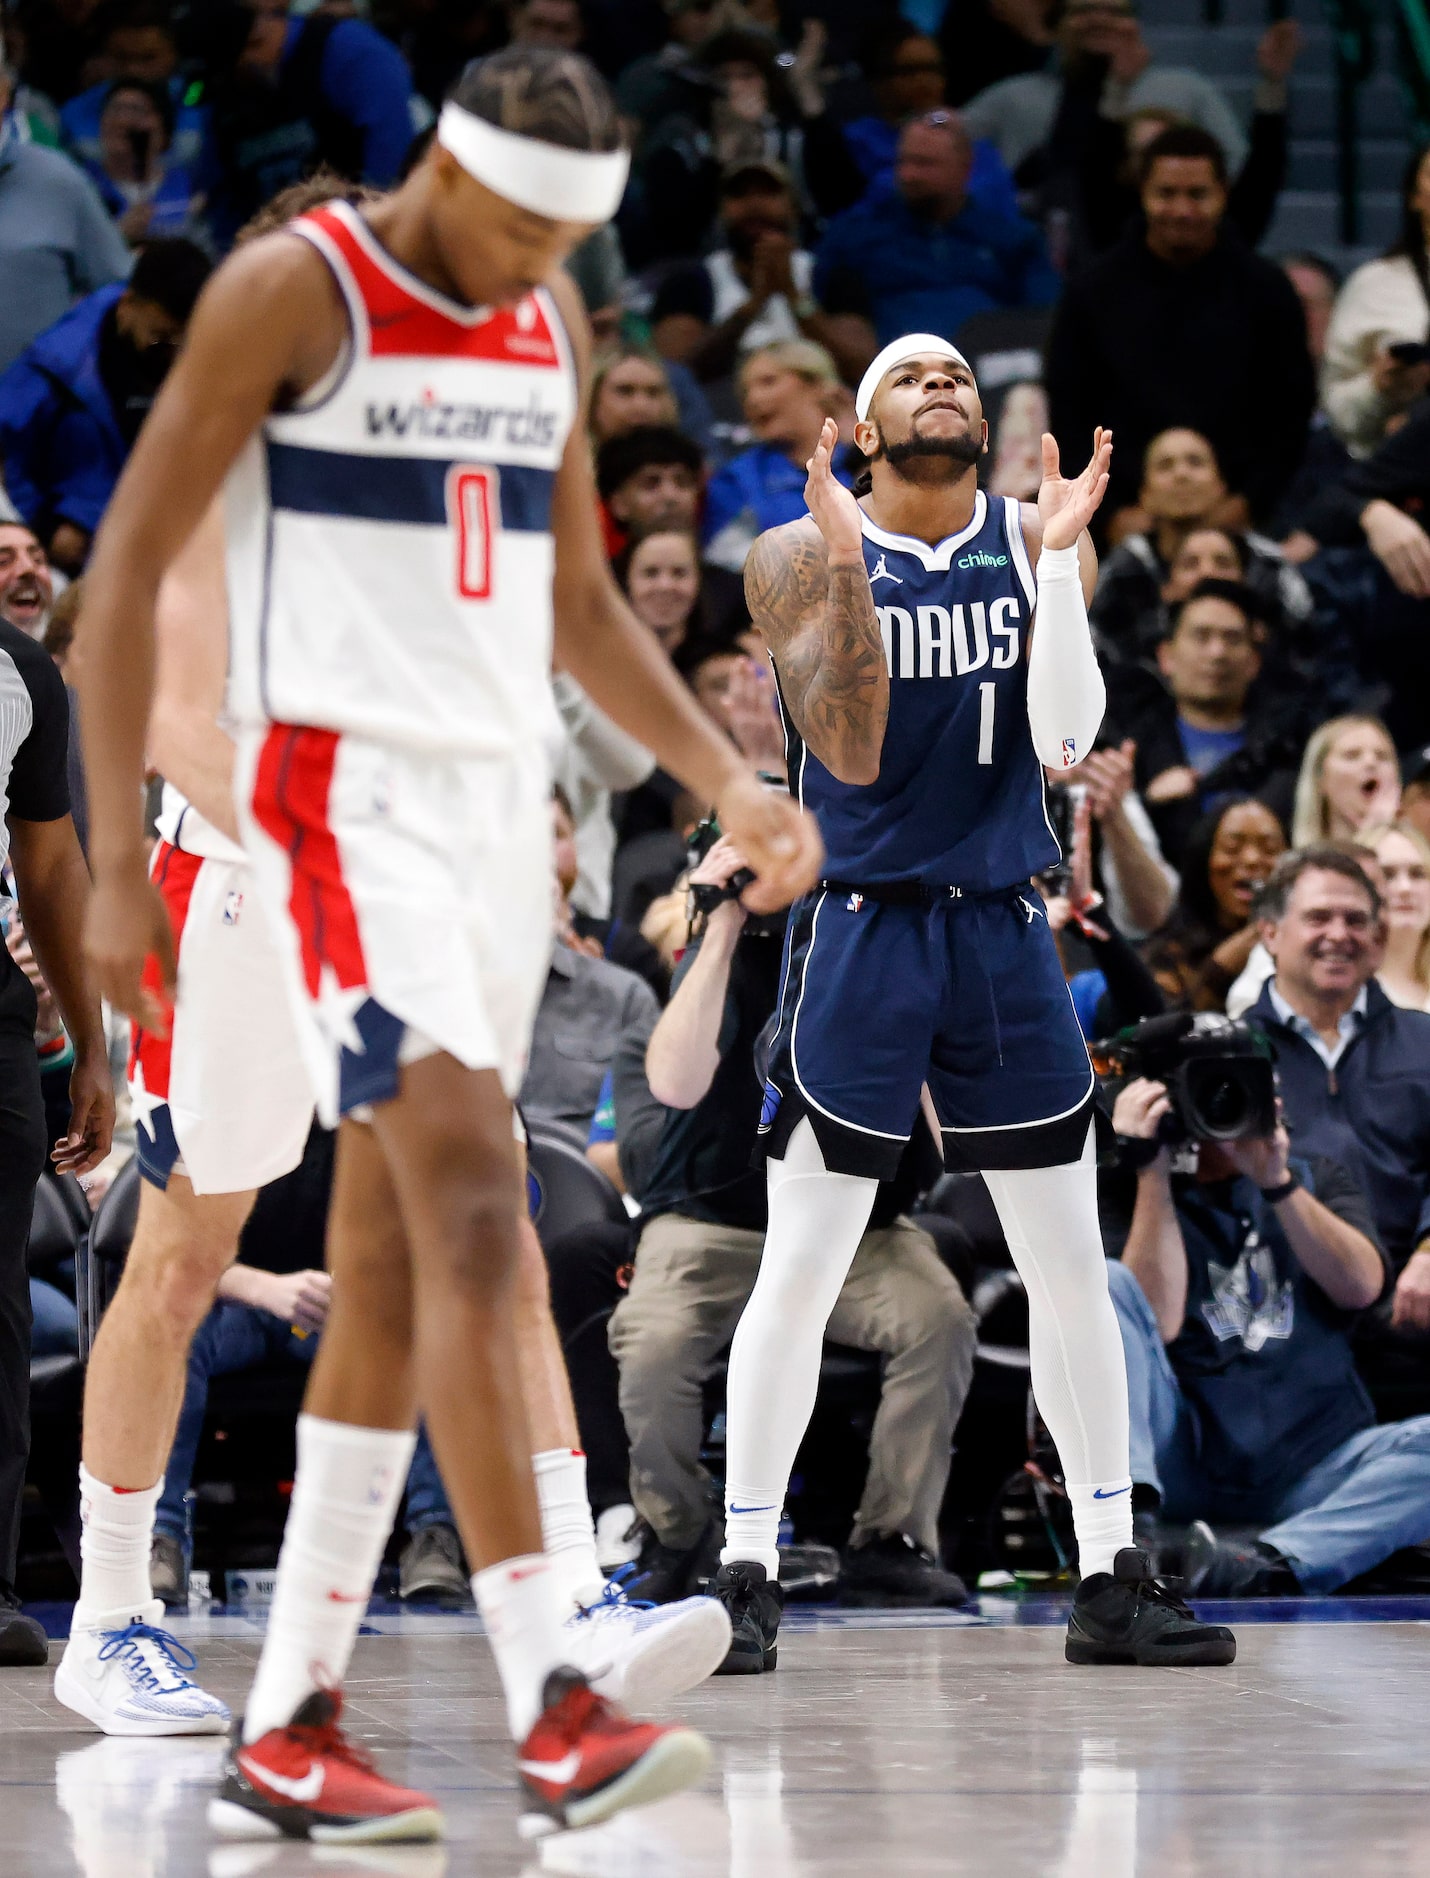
x: 589, y: 1276
x: 22, y: 1160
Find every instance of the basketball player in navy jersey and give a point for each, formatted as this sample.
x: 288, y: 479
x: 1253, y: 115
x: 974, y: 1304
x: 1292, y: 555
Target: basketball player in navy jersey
x: 921, y: 698
x: 391, y: 402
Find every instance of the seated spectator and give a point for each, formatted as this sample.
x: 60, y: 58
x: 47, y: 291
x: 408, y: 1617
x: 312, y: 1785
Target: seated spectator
x: 753, y: 290
x: 1349, y: 781
x: 27, y: 585
x: 738, y: 691
x: 72, y: 404
x: 270, y: 1309
x: 648, y: 479
x: 699, y: 1251
x: 148, y: 191
x: 928, y: 256
x: 1404, y: 883
x: 291, y: 94
x: 1128, y: 864
x: 1019, y: 113
x: 1210, y: 728
x: 139, y: 43
x: 1354, y: 1069
x: 613, y: 939
x: 1205, y: 945
x: 1116, y: 988
x: 629, y: 391
x: 660, y: 574
x: 1134, y: 338
x: 1380, y: 504
x: 787, y: 391
x: 1182, y: 499
x: 56, y: 236
x: 1236, y: 1294
x: 1375, y: 365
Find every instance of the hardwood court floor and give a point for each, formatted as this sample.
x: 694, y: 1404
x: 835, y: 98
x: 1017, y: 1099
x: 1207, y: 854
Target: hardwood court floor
x: 884, y: 1746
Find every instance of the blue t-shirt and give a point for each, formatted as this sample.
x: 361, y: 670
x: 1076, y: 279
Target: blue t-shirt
x: 1205, y: 749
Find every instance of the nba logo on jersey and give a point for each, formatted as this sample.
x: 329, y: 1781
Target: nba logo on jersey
x: 1069, y: 752
x: 232, y: 908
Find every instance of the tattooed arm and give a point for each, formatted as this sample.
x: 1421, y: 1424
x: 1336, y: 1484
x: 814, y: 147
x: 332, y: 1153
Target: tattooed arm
x: 808, y: 592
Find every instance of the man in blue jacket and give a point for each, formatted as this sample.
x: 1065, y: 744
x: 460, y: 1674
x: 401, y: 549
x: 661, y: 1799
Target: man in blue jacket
x: 1354, y: 1068
x: 72, y: 403
x: 930, y: 255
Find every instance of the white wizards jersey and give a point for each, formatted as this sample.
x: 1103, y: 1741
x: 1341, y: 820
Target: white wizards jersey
x: 180, y: 824
x: 389, y: 541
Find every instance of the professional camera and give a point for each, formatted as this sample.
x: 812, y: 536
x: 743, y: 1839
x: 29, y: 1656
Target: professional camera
x: 1218, y: 1072
x: 704, y: 898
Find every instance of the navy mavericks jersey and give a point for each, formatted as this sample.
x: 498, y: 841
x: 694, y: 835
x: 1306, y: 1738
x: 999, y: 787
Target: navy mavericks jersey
x: 959, y: 798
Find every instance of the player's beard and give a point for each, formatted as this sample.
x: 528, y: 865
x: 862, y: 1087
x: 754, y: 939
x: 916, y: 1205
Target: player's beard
x: 930, y: 460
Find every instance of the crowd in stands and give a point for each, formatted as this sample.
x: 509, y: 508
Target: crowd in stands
x: 1251, y: 835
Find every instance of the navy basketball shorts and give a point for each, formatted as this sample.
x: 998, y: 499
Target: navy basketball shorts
x: 963, y: 992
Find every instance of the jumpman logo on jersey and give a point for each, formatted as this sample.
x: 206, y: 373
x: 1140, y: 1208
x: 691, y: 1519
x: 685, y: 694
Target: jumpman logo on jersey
x: 881, y: 572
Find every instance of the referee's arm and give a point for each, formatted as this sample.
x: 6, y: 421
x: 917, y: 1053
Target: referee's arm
x: 53, y: 886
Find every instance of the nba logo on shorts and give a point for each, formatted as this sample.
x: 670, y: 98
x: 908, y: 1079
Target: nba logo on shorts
x: 1069, y: 752
x: 232, y: 908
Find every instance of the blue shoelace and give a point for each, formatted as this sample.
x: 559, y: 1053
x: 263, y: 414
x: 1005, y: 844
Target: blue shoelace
x: 125, y: 1644
x: 613, y: 1595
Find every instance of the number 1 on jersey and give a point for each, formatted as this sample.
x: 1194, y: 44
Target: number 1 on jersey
x: 469, y: 509
x: 987, y: 696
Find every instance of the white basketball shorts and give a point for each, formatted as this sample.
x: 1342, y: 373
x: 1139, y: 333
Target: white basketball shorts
x: 415, y: 896
x: 225, y: 1098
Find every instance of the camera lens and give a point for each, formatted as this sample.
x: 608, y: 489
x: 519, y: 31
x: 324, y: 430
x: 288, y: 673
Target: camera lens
x: 1223, y: 1106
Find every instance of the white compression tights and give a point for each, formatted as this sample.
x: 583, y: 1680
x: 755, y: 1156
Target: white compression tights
x: 1049, y: 1218
x: 817, y: 1219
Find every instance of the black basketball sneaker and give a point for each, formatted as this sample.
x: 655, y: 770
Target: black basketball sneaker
x: 753, y: 1606
x: 1129, y: 1616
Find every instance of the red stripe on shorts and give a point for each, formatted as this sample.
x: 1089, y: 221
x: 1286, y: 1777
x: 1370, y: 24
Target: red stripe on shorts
x: 173, y: 872
x: 290, y: 803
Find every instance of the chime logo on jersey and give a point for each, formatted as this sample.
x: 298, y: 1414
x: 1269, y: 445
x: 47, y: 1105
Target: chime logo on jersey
x: 939, y: 641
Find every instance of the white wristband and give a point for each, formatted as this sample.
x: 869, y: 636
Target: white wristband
x: 1058, y: 564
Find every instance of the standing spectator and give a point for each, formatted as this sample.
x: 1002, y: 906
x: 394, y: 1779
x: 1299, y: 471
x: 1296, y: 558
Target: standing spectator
x: 72, y: 404
x: 292, y: 94
x: 755, y: 288
x: 1180, y: 326
x: 1365, y: 377
x: 27, y: 586
x: 931, y: 256
x: 1183, y: 494
x: 1019, y: 114
x: 787, y: 391
x: 56, y: 236
x: 1404, y: 856
x: 1349, y: 781
x: 1206, y: 943
x: 659, y: 83
x: 139, y: 44
x: 145, y: 188
x: 1354, y: 1068
x: 629, y: 391
x: 53, y: 887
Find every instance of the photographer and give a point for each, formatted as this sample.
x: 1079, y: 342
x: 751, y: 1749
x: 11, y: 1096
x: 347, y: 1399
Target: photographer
x: 699, y: 1251
x: 1236, y: 1294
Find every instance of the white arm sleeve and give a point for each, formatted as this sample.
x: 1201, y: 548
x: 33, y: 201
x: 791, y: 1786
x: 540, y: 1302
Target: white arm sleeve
x: 1066, y: 695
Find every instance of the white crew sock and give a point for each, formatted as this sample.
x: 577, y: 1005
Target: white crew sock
x: 1049, y: 1217
x: 345, y: 1493
x: 568, y: 1532
x: 816, y: 1222
x: 523, y: 1608
x: 116, y: 1532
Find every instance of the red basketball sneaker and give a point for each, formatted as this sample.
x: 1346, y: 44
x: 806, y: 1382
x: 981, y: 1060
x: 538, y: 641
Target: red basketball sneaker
x: 307, y: 1781
x: 585, y: 1759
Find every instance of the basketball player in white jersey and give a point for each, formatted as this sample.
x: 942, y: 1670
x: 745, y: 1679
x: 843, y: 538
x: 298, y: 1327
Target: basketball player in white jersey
x: 223, y: 1106
x: 393, y: 399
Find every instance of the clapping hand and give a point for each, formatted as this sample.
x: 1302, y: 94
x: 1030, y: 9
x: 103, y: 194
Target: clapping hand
x: 1067, y: 507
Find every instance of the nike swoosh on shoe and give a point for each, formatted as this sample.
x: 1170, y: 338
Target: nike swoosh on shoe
x: 564, y: 1769
x: 305, y: 1790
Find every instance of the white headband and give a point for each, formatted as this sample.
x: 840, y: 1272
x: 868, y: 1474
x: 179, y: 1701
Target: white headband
x: 563, y: 185
x: 911, y: 346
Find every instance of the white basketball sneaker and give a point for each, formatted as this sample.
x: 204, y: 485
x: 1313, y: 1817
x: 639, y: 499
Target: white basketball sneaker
x: 132, y: 1678
x: 642, y: 1654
